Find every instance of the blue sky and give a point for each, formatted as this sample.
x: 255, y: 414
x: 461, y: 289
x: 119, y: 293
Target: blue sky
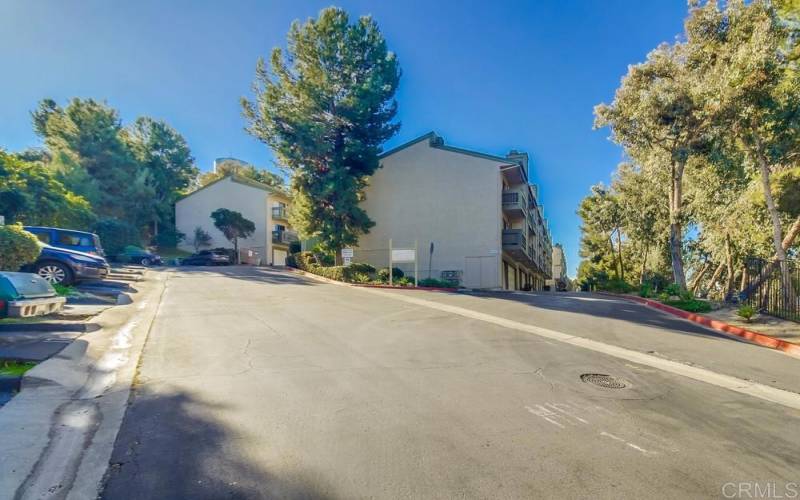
x: 489, y: 76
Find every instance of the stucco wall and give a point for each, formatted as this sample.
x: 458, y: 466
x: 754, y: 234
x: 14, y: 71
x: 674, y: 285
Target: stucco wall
x: 433, y: 195
x: 195, y: 210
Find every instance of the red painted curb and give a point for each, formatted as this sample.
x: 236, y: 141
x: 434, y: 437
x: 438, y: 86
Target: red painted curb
x: 721, y: 326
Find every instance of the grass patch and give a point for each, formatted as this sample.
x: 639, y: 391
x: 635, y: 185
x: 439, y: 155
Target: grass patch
x: 63, y: 290
x: 691, y: 305
x: 15, y: 368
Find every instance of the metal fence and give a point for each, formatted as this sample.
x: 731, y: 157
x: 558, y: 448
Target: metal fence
x: 768, y: 291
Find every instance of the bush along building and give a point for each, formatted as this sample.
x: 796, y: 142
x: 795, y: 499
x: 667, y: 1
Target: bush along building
x: 474, y: 217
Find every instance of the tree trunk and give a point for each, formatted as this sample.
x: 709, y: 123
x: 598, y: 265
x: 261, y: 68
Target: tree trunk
x: 777, y: 230
x: 675, y: 230
x: 613, y: 254
x: 745, y: 277
x: 699, y: 278
x: 729, y: 283
x: 337, y: 257
x: 716, y: 276
x: 619, y: 255
x: 644, y: 264
x: 236, y: 250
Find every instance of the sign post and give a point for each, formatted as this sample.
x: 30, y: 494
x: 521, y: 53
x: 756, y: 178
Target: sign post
x: 390, y: 262
x: 416, y: 259
x: 347, y: 256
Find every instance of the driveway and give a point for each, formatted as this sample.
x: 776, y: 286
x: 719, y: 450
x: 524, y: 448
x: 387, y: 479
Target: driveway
x: 262, y: 384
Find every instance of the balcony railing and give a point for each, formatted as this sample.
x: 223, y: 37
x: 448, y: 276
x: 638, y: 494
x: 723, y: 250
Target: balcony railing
x: 514, y: 203
x: 279, y: 213
x: 514, y: 239
x: 284, y: 237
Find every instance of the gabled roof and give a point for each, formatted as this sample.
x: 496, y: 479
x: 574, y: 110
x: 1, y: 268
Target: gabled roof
x: 241, y: 180
x: 436, y: 141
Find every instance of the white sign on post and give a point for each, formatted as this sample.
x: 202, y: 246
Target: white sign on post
x: 346, y: 261
x: 403, y: 255
x: 347, y: 253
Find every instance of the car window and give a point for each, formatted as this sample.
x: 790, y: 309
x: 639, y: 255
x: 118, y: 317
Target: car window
x: 73, y: 240
x: 43, y: 237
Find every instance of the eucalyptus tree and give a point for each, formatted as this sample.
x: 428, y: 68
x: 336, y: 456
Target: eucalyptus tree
x: 754, y: 96
x: 657, y: 118
x: 325, y: 106
x: 602, y: 222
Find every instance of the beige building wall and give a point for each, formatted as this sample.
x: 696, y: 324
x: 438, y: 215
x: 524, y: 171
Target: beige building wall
x: 195, y: 210
x: 429, y: 195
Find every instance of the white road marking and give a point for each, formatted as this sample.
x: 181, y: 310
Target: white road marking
x: 626, y: 443
x: 545, y: 414
x: 558, y: 407
x: 753, y: 389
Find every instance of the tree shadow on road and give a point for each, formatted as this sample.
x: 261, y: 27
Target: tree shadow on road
x: 169, y: 447
x: 269, y: 275
x: 604, y: 307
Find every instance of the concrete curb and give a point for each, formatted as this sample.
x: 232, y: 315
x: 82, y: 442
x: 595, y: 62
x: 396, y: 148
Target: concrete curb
x: 357, y: 285
x: 51, y: 326
x: 720, y: 326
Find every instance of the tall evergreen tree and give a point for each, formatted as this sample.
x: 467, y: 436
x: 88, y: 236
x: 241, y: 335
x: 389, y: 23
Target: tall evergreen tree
x: 325, y: 107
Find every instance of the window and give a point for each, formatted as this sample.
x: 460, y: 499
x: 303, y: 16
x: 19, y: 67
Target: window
x: 73, y: 240
x: 43, y: 237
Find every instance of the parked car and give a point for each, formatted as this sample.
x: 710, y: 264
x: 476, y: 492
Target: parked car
x: 133, y: 255
x: 207, y: 258
x: 79, y: 241
x: 62, y: 266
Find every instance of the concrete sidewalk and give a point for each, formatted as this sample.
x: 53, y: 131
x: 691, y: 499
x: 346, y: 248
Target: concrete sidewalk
x: 59, y: 430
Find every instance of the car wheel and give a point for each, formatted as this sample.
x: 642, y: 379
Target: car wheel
x: 55, y: 273
x: 145, y: 261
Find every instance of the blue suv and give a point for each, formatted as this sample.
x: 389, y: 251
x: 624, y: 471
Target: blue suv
x: 65, y: 267
x: 79, y: 241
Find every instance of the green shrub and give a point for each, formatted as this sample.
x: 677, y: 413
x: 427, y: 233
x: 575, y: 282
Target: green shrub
x: 361, y: 267
x: 686, y: 295
x: 304, y: 261
x: 332, y: 272
x: 17, y: 247
x: 434, y: 283
x: 692, y: 305
x: 746, y: 312
x: 404, y: 281
x: 115, y: 235
x: 615, y: 285
x: 645, y: 290
x: 360, y: 278
x: 673, y: 289
x: 168, y: 237
x: 383, y: 274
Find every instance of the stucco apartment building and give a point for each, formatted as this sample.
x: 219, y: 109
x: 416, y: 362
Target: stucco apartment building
x: 560, y: 279
x: 480, y: 212
x: 262, y: 204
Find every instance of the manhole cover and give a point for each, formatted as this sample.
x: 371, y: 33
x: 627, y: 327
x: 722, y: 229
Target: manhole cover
x: 605, y: 381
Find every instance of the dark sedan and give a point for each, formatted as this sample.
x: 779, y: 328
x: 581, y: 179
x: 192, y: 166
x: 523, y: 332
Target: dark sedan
x: 207, y: 258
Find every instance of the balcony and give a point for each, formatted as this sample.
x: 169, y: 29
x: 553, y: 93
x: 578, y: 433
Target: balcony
x: 279, y: 213
x: 284, y: 237
x: 515, y: 244
x: 514, y: 204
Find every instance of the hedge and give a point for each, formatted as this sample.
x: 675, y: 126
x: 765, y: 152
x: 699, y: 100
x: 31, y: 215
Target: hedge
x: 17, y: 247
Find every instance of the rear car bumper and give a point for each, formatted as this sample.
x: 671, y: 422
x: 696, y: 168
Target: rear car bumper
x: 25, y: 308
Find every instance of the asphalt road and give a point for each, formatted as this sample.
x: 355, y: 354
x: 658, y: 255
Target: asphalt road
x: 262, y: 384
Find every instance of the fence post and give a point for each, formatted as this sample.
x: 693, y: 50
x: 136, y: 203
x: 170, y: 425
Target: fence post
x: 390, y: 262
